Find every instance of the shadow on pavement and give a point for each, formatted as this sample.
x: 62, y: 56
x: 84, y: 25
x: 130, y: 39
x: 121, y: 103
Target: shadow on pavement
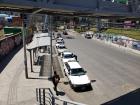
x: 69, y: 37
x: 60, y: 93
x: 83, y: 89
x: 132, y: 98
x: 66, y: 82
x: 92, y: 81
x: 37, y: 78
x: 7, y: 58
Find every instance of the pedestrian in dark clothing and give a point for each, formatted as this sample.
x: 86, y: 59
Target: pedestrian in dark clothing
x: 55, y: 80
x: 75, y: 57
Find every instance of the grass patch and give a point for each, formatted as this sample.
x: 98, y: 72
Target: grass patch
x: 79, y: 30
x: 93, y: 29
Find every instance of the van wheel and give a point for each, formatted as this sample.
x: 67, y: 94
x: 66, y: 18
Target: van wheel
x: 71, y: 84
x: 65, y: 72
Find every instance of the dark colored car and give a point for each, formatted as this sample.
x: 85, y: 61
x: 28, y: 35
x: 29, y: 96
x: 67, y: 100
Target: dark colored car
x: 59, y: 35
x: 65, y: 32
x: 88, y: 36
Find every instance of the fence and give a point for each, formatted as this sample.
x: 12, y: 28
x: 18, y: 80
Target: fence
x: 119, y: 39
x: 45, y: 96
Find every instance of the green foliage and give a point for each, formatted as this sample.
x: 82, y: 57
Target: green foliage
x: 79, y: 30
x: 93, y: 29
x: 122, y: 1
x: 14, y: 30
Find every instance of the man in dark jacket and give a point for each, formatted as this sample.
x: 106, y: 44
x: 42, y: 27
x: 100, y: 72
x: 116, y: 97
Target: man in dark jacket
x: 55, y: 80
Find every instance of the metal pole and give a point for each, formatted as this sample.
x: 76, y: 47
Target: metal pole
x: 40, y: 97
x: 37, y: 94
x: 31, y: 61
x: 64, y: 103
x: 98, y: 24
x: 44, y: 101
x: 33, y: 56
x: 53, y: 100
x: 25, y: 55
x: 50, y: 31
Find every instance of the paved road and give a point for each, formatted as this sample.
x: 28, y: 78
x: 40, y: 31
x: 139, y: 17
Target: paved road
x: 116, y: 72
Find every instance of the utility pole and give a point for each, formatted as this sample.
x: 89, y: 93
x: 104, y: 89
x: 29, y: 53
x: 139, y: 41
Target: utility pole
x: 98, y: 24
x: 50, y: 33
x: 24, y: 46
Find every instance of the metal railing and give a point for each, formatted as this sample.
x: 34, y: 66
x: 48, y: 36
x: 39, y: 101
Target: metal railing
x: 44, y: 96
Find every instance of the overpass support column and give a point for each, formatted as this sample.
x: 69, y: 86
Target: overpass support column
x: 98, y: 24
x: 50, y: 33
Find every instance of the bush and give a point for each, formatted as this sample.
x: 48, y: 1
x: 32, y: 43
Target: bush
x: 78, y: 30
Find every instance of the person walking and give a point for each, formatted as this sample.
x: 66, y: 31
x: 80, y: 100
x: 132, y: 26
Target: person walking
x: 75, y: 57
x: 55, y: 80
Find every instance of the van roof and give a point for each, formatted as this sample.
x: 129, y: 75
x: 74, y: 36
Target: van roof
x: 74, y: 64
x: 67, y: 52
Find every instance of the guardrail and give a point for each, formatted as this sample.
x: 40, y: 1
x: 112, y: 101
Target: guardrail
x: 44, y: 96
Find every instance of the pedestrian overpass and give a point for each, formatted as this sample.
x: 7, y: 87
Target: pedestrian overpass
x: 97, y: 8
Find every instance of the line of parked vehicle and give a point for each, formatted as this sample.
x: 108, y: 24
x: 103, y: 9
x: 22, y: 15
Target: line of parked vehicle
x: 76, y: 75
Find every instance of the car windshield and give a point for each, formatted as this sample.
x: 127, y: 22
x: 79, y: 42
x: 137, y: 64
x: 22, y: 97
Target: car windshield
x: 60, y: 42
x: 68, y: 56
x: 77, y: 72
x: 88, y: 35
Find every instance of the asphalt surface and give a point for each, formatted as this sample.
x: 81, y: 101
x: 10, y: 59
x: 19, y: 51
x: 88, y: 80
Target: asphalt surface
x: 116, y: 73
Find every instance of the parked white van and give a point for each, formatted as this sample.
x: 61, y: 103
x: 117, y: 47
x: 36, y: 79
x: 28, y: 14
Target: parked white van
x: 76, y: 75
x: 67, y: 56
x: 89, y: 34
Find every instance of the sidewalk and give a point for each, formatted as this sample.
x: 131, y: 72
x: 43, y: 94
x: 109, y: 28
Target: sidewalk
x: 15, y: 89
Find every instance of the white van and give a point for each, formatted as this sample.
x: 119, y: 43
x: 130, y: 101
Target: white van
x: 76, y: 75
x: 89, y: 34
